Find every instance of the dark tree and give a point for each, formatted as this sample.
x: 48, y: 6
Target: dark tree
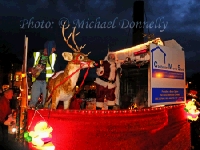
x: 8, y: 62
x: 195, y: 79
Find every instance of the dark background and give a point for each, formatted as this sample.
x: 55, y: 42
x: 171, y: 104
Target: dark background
x: 182, y: 18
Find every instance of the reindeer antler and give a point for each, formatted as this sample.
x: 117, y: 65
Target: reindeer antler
x: 87, y: 54
x: 73, y: 39
x: 67, y: 40
x: 77, y: 49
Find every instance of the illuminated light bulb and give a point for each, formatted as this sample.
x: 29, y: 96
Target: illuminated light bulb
x: 49, y: 148
x: 14, y: 130
x: 37, y: 141
x: 159, y: 75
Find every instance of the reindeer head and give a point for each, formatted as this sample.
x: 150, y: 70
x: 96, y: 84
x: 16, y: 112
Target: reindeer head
x: 77, y: 57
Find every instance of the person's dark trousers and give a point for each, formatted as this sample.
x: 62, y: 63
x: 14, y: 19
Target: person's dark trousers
x: 3, y: 133
x: 110, y: 107
x: 98, y: 108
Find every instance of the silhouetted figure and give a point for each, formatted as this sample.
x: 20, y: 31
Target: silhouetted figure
x: 4, y: 112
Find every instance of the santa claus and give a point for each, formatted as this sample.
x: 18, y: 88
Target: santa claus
x: 106, y: 82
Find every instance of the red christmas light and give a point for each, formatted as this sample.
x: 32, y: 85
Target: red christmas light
x: 140, y: 52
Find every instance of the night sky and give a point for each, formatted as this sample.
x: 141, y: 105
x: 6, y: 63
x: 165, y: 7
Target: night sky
x: 171, y: 19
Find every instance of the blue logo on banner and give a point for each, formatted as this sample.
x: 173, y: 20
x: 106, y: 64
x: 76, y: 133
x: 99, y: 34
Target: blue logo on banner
x: 164, y: 95
x: 165, y: 70
x: 164, y: 54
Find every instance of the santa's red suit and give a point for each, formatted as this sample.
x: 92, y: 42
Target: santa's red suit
x: 105, y: 84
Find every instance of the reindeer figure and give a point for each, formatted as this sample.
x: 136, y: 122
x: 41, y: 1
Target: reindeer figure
x: 68, y: 77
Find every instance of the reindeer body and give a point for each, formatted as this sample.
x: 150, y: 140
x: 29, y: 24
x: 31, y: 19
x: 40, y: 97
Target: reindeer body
x: 67, y: 90
x: 61, y: 86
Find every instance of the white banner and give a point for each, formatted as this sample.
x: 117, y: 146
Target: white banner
x: 167, y: 75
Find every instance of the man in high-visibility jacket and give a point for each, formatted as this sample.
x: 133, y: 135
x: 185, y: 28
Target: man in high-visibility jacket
x: 46, y: 59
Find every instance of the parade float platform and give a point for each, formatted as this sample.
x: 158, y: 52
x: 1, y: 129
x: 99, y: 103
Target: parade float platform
x: 159, y: 128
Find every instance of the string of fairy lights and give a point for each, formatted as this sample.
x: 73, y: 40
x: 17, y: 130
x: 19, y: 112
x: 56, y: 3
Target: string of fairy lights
x: 35, y: 112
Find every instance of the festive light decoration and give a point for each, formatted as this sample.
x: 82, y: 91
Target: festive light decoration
x: 133, y: 106
x: 191, y: 109
x: 137, y: 129
x: 193, y: 93
x: 140, y: 52
x: 14, y: 130
x: 40, y: 136
x: 141, y: 46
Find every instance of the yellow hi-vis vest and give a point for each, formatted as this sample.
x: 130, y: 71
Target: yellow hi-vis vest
x: 49, y: 67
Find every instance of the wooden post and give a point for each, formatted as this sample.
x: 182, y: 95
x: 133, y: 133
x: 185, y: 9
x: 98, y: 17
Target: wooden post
x: 24, y: 94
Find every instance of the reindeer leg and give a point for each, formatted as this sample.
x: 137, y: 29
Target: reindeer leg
x: 46, y: 104
x: 56, y: 104
x: 67, y: 103
x: 54, y: 101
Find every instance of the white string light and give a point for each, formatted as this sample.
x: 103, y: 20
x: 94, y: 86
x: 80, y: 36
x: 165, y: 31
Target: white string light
x: 36, y: 111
